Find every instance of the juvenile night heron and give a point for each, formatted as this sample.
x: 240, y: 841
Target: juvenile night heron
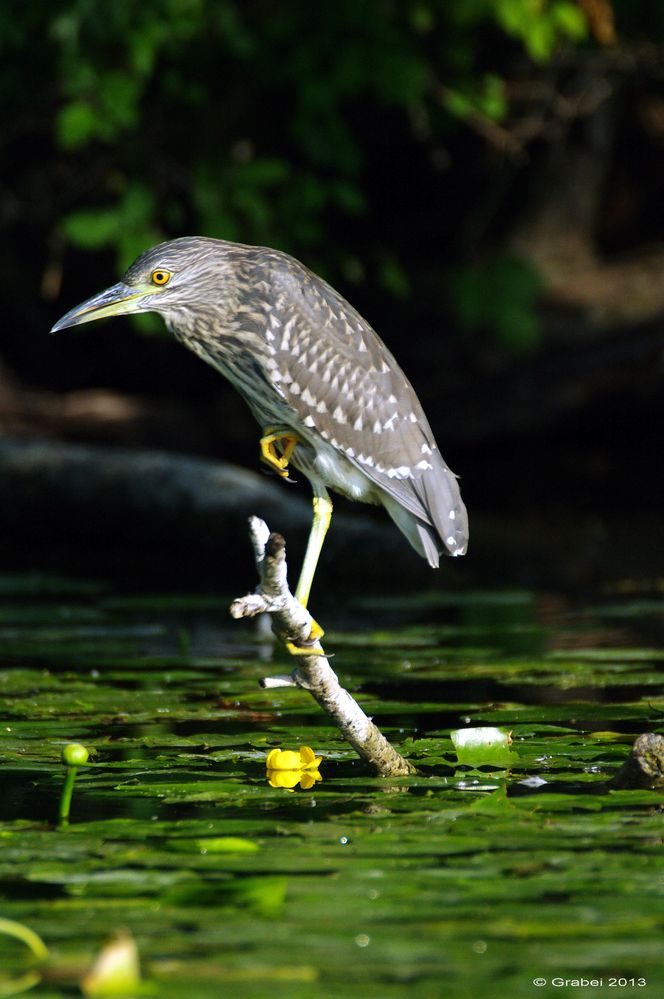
x: 330, y: 397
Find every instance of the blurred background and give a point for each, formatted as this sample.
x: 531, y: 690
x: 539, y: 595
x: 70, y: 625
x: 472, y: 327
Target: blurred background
x: 482, y: 179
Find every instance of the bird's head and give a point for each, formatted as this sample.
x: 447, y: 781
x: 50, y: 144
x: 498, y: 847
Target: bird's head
x: 167, y: 279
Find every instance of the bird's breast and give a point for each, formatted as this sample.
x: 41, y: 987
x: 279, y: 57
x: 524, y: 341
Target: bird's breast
x: 321, y: 462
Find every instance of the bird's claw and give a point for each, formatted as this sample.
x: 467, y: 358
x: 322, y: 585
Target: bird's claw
x: 315, y: 635
x: 304, y: 650
x: 284, y: 476
x: 275, y: 461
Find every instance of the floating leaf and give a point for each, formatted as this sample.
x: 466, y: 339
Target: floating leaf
x: 178, y: 836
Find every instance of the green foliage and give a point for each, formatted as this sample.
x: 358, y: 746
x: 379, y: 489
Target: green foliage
x: 250, y: 120
x: 499, y: 296
x: 541, y: 24
x: 76, y: 123
x: 485, y: 96
x: 170, y: 86
x: 128, y: 224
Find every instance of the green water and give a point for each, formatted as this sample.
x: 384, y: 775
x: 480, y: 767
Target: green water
x: 459, y: 882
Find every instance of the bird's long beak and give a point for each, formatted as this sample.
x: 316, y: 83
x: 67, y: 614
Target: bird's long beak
x: 119, y: 300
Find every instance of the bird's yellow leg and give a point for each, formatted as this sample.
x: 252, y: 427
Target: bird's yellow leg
x: 319, y: 527
x: 321, y: 522
x: 272, y: 438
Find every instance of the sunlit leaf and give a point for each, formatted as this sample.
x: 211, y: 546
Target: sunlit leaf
x: 76, y: 124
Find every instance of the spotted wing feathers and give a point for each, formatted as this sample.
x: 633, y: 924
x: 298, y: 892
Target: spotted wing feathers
x: 337, y: 374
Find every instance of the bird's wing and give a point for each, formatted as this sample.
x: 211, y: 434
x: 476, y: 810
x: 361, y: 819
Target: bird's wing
x: 337, y: 374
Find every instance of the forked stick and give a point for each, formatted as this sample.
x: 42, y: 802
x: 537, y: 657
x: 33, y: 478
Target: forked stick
x: 294, y: 626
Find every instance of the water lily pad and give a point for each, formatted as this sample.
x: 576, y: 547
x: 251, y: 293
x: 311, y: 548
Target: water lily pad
x: 476, y: 874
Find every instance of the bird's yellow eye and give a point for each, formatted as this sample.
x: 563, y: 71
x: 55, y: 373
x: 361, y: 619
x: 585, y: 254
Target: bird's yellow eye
x: 160, y: 277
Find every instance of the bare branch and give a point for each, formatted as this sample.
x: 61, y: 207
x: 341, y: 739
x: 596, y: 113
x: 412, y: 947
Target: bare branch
x: 294, y: 626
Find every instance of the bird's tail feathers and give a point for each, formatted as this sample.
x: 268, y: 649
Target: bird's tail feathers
x: 441, y: 497
x: 430, y: 544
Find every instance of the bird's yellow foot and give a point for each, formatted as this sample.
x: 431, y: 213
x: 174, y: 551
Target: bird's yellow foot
x: 315, y: 635
x: 316, y: 631
x: 304, y: 650
x: 270, y: 456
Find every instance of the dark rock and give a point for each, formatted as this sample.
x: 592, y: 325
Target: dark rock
x: 644, y: 766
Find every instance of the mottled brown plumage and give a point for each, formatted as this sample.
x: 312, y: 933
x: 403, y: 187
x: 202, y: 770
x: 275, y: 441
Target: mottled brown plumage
x: 309, y: 365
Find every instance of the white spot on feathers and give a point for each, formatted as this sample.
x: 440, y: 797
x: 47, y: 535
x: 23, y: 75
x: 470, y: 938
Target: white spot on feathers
x: 285, y: 340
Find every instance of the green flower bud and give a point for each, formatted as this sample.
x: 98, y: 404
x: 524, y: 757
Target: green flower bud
x: 74, y: 754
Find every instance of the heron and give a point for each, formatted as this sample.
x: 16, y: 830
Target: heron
x: 329, y: 396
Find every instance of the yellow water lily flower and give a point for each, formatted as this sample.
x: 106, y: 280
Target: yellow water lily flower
x: 287, y: 767
x: 289, y: 759
x: 289, y: 779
